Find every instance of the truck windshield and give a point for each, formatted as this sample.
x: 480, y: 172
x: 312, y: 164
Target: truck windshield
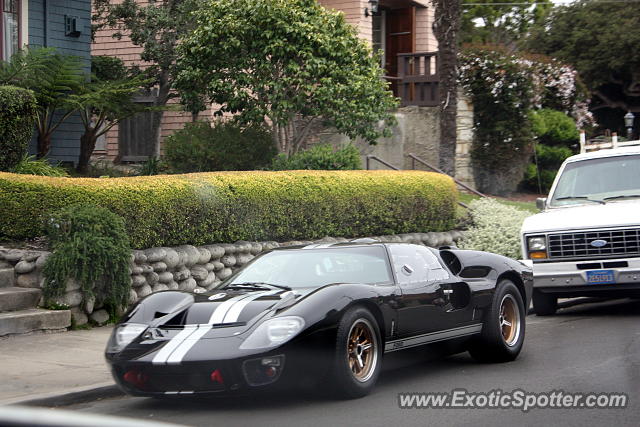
x: 598, y: 181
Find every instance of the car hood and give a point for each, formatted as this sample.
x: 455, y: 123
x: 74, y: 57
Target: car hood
x: 227, y: 312
x: 613, y: 214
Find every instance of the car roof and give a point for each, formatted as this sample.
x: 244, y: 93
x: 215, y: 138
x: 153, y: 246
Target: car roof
x: 336, y: 245
x: 610, y: 152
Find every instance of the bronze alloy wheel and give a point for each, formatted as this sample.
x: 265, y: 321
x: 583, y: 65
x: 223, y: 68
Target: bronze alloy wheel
x: 362, y: 350
x: 509, y: 320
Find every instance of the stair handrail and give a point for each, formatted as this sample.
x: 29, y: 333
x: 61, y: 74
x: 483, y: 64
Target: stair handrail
x: 372, y: 157
x: 415, y: 159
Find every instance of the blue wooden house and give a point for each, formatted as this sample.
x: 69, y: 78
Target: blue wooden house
x: 62, y: 24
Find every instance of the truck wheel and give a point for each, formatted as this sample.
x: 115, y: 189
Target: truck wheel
x: 503, y: 330
x: 544, y: 304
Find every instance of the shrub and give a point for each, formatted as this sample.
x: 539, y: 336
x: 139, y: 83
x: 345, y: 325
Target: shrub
x: 28, y: 165
x: 320, y: 157
x: 228, y: 206
x: 90, y: 245
x: 549, y: 161
x: 220, y: 146
x: 554, y: 127
x: 495, y: 228
x: 17, y: 117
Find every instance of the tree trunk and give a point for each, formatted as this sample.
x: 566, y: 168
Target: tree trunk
x: 87, y: 145
x: 446, y: 27
x: 164, y: 90
x: 44, y: 144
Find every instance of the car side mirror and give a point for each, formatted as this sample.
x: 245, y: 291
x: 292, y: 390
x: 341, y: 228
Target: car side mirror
x: 541, y: 203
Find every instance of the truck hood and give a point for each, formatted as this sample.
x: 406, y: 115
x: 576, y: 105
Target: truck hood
x: 613, y: 214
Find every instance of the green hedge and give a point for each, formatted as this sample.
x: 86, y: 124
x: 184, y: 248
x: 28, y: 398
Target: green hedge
x: 201, y: 208
x: 17, y: 117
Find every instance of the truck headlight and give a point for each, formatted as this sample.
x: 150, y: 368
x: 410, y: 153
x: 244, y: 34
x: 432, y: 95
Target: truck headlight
x: 537, y: 247
x: 273, y: 332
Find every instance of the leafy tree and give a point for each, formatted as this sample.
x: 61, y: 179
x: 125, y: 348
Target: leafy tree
x: 501, y: 21
x: 51, y: 76
x: 292, y: 62
x: 601, y: 40
x: 156, y: 27
x: 103, y: 103
x: 446, y: 27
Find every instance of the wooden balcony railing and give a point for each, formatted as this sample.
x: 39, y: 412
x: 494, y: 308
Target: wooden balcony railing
x: 417, y: 80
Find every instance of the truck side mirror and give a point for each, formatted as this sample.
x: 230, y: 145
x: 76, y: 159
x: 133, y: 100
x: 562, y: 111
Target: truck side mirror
x: 541, y: 203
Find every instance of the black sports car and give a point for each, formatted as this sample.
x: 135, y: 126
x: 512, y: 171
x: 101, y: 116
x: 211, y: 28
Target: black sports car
x: 327, y: 311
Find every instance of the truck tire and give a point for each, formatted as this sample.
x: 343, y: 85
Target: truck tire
x: 544, y: 304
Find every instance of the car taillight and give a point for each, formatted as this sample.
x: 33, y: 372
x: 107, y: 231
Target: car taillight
x: 136, y: 378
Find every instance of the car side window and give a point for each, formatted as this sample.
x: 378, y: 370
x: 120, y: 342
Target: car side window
x: 415, y: 264
x: 408, y: 265
x: 435, y: 271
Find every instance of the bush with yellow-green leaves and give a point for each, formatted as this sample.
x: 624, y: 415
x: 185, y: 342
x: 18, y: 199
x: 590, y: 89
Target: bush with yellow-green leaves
x: 202, y: 208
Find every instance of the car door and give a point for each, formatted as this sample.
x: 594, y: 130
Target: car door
x: 420, y: 304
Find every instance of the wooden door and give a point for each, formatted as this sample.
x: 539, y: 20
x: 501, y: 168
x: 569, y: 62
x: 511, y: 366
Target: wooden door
x: 400, y: 38
x: 135, y: 138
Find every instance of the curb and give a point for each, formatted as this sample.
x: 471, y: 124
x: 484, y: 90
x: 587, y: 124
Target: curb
x: 70, y: 397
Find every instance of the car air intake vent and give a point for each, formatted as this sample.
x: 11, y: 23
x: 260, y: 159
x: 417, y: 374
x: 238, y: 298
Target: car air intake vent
x: 597, y: 243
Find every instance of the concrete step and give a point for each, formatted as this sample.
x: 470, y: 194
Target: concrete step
x: 14, y: 299
x: 24, y: 321
x: 7, y: 277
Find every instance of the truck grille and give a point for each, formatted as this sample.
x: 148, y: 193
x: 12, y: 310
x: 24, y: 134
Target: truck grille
x: 578, y: 245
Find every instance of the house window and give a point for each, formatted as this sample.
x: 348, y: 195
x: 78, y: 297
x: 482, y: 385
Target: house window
x: 10, y: 31
x: 378, y: 34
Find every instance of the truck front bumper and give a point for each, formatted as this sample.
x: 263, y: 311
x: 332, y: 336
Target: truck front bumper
x: 567, y: 278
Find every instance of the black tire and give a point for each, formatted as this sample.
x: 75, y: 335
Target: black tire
x: 492, y: 345
x: 544, y: 304
x: 346, y: 384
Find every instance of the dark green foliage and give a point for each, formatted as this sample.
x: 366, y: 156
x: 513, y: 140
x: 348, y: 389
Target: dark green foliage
x: 501, y: 92
x: 90, y: 245
x: 17, y: 117
x: 600, y: 39
x: 29, y: 165
x: 500, y: 21
x: 218, y: 146
x: 549, y: 160
x: 153, y: 166
x: 554, y: 128
x: 105, y: 68
x: 292, y: 61
x: 320, y: 157
x: 51, y: 76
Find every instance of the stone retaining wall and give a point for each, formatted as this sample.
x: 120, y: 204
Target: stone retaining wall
x: 186, y: 267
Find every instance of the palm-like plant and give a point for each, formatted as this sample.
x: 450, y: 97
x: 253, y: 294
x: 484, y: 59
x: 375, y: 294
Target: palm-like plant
x: 52, y: 77
x: 102, y: 105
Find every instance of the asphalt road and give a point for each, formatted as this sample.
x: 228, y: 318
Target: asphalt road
x: 593, y: 347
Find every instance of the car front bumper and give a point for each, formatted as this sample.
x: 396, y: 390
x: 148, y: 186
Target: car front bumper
x: 210, y: 377
x: 569, y: 277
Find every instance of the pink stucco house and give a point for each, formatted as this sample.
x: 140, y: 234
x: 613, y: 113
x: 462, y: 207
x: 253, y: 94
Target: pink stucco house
x: 402, y: 29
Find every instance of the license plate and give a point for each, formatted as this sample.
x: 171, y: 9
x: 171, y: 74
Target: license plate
x: 601, y: 277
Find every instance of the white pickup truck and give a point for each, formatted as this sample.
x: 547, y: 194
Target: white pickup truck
x: 586, y: 240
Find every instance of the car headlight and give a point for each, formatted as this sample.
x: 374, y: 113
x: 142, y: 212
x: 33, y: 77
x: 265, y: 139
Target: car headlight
x: 125, y: 334
x: 537, y: 246
x: 273, y: 332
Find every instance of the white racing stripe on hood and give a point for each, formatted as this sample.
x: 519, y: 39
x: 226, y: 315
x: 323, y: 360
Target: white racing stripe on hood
x: 218, y: 316
x: 165, y: 353
x: 161, y: 357
x: 234, y: 312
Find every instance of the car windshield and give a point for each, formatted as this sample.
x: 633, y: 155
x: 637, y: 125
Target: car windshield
x: 305, y: 268
x: 598, y: 181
